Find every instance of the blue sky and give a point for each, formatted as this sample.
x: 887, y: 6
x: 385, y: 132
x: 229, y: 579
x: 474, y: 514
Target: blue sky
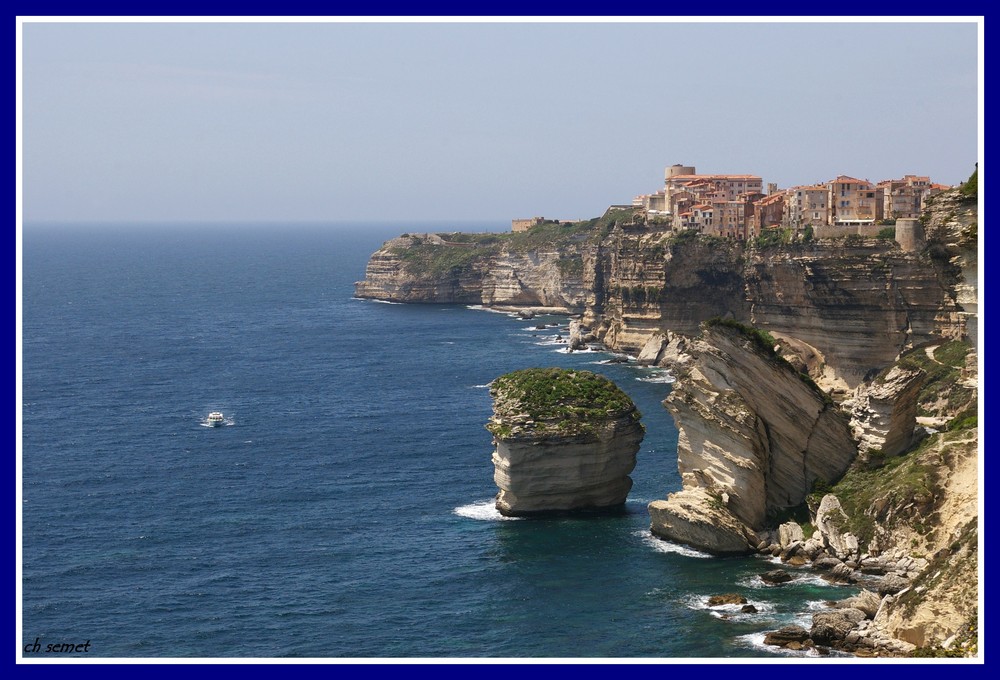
x: 326, y: 121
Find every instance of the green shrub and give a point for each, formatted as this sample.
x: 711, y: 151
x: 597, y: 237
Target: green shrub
x: 970, y: 188
x: 558, y: 400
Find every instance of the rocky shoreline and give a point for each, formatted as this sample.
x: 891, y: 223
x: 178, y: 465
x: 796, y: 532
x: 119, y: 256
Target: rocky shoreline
x: 802, y: 372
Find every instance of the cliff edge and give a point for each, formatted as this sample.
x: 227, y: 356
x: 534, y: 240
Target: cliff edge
x: 755, y: 436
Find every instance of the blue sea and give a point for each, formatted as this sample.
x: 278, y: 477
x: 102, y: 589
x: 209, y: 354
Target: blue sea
x: 346, y: 508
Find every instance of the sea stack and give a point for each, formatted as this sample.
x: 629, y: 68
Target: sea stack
x: 565, y: 440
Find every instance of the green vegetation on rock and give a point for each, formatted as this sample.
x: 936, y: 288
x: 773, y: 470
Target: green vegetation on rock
x: 450, y: 254
x: 432, y: 259
x: 772, y: 238
x: 764, y: 341
x: 555, y: 401
x: 874, y: 496
x: 943, y: 392
x: 970, y: 188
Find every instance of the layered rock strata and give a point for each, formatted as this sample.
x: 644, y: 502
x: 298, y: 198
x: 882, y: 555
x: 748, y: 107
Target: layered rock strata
x: 854, y: 304
x: 428, y: 268
x: 754, y: 437
x: 884, y: 412
x: 565, y: 441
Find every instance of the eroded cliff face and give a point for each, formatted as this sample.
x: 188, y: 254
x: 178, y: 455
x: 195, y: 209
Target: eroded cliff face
x: 754, y: 437
x: 565, y: 441
x: 852, y: 304
x: 428, y: 268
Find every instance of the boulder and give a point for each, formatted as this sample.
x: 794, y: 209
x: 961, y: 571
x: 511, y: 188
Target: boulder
x: 776, y: 577
x: 865, y: 601
x: 673, y: 353
x: 696, y: 517
x: 832, y: 627
x: 791, y: 549
x: 788, y: 533
x: 578, y: 335
x: 783, y: 636
x: 873, y: 566
x: 728, y: 598
x: 826, y: 563
x: 650, y: 353
x: 843, y: 573
x: 812, y: 547
x: 748, y: 609
x: 830, y: 517
x: 891, y: 584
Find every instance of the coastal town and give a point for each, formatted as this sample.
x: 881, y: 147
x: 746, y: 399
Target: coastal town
x: 736, y: 205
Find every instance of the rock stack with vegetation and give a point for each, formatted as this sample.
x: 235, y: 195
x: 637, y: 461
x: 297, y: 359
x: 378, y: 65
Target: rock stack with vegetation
x: 566, y: 440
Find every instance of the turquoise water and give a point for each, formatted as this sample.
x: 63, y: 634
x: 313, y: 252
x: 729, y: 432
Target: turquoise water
x: 346, y: 509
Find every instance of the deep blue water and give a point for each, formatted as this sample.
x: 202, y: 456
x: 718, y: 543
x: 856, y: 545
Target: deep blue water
x: 346, y: 511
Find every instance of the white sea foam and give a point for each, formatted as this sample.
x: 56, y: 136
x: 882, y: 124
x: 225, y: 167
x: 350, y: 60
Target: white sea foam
x: 482, y: 510
x: 480, y: 308
x: 227, y: 422
x: 814, y: 580
x: 817, y: 606
x: 664, y: 377
x: 799, y: 578
x: 480, y: 387
x: 381, y: 302
x: 659, y: 545
x: 756, y: 641
x: 729, y: 611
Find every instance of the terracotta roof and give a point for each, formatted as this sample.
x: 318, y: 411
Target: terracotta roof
x: 711, y: 177
x: 773, y: 198
x: 845, y: 179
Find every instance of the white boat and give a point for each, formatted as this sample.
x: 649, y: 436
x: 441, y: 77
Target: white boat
x: 215, y: 419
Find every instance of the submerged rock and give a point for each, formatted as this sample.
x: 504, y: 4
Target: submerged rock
x: 565, y: 440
